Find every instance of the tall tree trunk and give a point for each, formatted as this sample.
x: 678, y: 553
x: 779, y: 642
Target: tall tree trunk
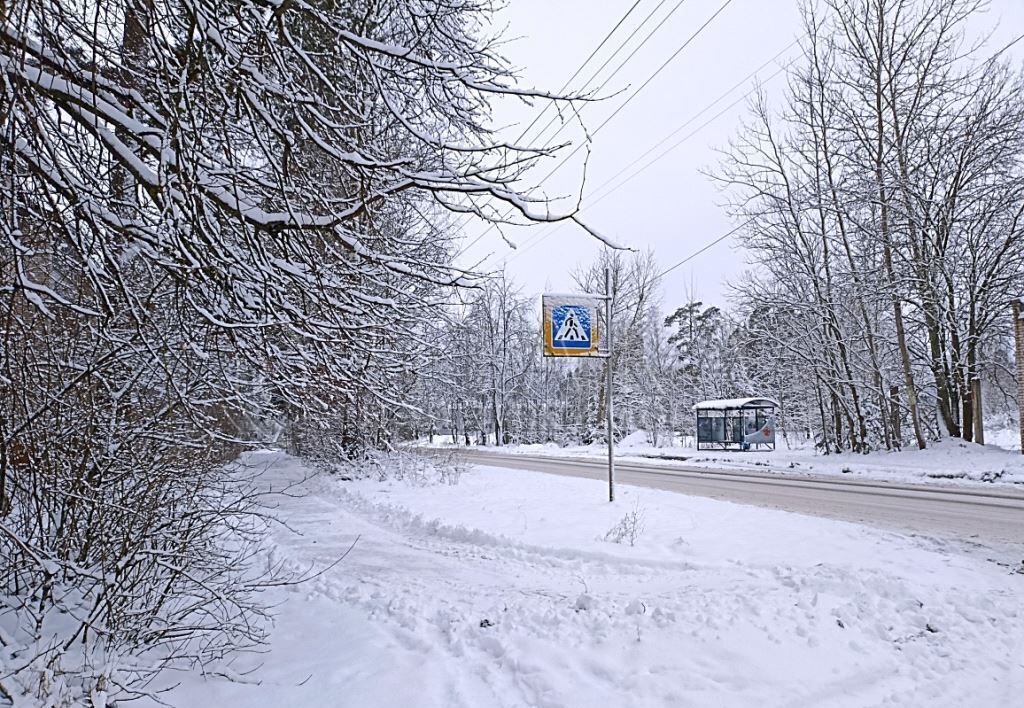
x: 976, y: 421
x: 495, y: 418
x: 887, y: 431
x: 938, y: 367
x: 894, y: 412
x: 133, y: 41
x: 883, y: 201
x: 824, y: 418
x: 922, y: 258
x: 979, y: 412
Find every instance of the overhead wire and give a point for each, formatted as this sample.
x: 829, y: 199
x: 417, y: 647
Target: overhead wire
x: 689, y: 122
x: 748, y: 222
x: 596, y: 195
x: 622, y: 64
x: 644, y: 85
x: 586, y: 84
x: 736, y: 229
x: 707, y: 246
x: 625, y: 103
x: 731, y: 232
x: 563, y: 89
x: 555, y: 227
x: 586, y: 61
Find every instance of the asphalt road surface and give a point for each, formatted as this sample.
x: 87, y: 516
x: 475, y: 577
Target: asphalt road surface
x: 972, y: 514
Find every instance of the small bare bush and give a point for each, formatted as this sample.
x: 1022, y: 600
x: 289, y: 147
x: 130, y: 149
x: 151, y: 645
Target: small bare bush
x: 451, y: 466
x: 629, y: 528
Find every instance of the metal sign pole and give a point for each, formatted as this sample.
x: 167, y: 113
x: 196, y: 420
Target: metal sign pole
x: 608, y: 383
x: 570, y: 329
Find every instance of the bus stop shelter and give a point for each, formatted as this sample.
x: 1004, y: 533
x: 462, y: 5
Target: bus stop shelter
x: 736, y: 424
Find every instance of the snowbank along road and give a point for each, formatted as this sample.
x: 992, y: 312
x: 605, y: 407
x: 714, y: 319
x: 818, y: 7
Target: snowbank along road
x: 989, y: 515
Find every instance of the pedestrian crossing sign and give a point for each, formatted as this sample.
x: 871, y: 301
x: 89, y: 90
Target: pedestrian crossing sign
x: 570, y: 326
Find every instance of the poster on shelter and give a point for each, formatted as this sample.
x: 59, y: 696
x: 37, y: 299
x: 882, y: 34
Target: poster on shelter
x: 570, y: 326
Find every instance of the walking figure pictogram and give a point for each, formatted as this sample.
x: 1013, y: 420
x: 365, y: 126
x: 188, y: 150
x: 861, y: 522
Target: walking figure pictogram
x: 570, y: 330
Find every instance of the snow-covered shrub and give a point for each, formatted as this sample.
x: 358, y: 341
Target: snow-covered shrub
x: 110, y: 577
x: 451, y: 466
x: 629, y: 527
x: 420, y: 468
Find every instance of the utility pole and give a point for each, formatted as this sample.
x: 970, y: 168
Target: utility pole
x: 610, y: 424
x: 1018, y: 336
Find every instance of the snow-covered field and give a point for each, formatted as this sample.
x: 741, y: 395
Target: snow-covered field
x: 948, y: 461
x: 502, y: 591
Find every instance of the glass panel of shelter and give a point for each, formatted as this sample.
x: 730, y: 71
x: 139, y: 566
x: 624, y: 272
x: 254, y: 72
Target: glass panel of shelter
x: 724, y: 428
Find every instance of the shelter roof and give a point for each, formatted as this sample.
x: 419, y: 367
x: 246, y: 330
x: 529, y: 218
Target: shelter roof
x: 735, y: 403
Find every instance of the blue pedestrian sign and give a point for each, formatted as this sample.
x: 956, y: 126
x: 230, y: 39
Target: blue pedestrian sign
x: 570, y: 327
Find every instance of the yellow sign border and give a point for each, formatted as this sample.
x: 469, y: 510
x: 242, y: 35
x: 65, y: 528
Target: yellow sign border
x: 595, y: 334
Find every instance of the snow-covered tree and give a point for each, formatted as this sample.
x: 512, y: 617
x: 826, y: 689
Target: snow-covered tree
x: 218, y: 219
x: 884, y: 211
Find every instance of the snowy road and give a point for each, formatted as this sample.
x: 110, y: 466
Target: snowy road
x: 995, y: 515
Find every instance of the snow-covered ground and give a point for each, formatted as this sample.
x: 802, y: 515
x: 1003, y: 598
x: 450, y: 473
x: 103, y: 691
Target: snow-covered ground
x: 949, y: 461
x: 502, y: 591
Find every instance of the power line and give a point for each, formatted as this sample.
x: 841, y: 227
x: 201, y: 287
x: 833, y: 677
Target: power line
x: 624, y: 61
x: 644, y: 85
x: 587, y: 83
x: 714, y: 242
x: 629, y: 99
x: 746, y: 223
x: 704, y: 248
x: 594, y: 199
x: 1013, y: 42
x: 686, y: 124
x: 576, y: 112
x: 554, y: 228
x: 587, y: 61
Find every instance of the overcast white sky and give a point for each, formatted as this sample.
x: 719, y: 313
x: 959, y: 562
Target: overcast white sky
x: 670, y: 207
